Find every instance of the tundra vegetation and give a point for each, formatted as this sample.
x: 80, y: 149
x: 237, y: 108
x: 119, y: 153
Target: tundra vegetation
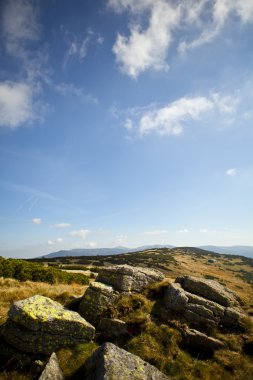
x: 152, y: 336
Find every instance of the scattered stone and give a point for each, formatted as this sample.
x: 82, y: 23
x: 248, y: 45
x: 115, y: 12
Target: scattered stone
x: 210, y: 289
x: 211, y: 261
x: 97, y: 298
x: 40, y: 325
x: 52, y: 370
x: 112, y: 328
x: 110, y: 362
x: 126, y: 278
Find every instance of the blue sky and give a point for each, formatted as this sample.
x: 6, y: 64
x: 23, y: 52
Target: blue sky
x: 125, y: 122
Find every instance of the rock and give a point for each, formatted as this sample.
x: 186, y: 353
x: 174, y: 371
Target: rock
x: 112, y: 328
x: 52, y: 370
x: 110, y: 362
x: 199, y: 311
x: 97, y: 298
x: 209, y: 289
x: 199, y: 341
x: 175, y: 298
x: 126, y: 278
x: 41, y: 325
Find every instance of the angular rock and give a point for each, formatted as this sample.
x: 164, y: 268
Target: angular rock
x: 209, y: 289
x: 175, y: 298
x: 41, y: 325
x: 199, y: 311
x: 126, y: 278
x: 112, y: 328
x: 97, y: 298
x: 199, y: 340
x: 52, y: 370
x: 110, y: 362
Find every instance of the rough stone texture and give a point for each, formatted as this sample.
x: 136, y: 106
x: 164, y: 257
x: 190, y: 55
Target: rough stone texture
x: 52, y: 370
x: 110, y: 362
x: 209, y: 289
x: 200, y: 312
x: 112, y: 328
x: 95, y: 300
x: 40, y: 325
x: 126, y: 278
x: 199, y: 340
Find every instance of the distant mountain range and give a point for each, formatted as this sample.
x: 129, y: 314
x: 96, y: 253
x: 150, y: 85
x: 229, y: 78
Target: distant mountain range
x: 240, y: 250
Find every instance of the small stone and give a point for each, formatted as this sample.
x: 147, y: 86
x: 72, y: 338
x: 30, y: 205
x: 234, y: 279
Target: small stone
x: 112, y: 328
x: 52, y: 370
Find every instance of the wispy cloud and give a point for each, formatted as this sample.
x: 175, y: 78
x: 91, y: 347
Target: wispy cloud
x: 37, y: 221
x: 68, y: 89
x: 155, y: 232
x: 77, y: 47
x: 171, y: 119
x: 82, y: 233
x: 231, y: 172
x: 56, y: 241
x: 60, y: 225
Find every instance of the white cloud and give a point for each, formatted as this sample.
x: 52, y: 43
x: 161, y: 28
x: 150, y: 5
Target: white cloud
x: 146, y: 48
x: 91, y: 244
x: 16, y: 104
x: 128, y: 124
x: 203, y: 230
x: 170, y: 120
x: 37, y: 221
x: 231, y: 172
x: 184, y: 231
x: 60, y: 225
x: 20, y: 25
x: 68, y: 89
x: 156, y: 232
x: 155, y: 24
x: 80, y: 233
x: 56, y: 241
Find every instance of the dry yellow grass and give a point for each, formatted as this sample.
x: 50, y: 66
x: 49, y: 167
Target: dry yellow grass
x: 12, y: 290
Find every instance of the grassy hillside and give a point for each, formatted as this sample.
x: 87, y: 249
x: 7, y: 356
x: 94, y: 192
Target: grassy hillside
x: 154, y: 339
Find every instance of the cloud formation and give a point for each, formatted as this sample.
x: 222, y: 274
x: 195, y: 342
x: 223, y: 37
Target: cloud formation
x: 37, y: 221
x: 153, y: 26
x: 16, y: 104
x: 171, y: 119
x: 60, y: 225
x: 80, y: 233
x: 156, y: 232
x: 231, y: 172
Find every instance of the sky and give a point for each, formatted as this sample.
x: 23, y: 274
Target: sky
x: 124, y: 123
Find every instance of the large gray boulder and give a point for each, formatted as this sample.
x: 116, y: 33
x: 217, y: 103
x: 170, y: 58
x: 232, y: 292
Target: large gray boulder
x: 97, y: 298
x: 126, y: 278
x: 199, y: 311
x: 41, y: 325
x: 209, y: 289
x: 110, y: 362
x: 52, y: 370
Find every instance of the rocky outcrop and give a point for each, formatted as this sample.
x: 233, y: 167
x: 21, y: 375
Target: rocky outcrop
x: 209, y: 289
x: 199, y: 311
x: 126, y: 278
x: 52, y: 370
x: 97, y: 298
x: 112, y: 328
x: 110, y: 362
x: 39, y: 325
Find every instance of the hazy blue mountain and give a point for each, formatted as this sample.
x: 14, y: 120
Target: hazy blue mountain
x: 242, y: 250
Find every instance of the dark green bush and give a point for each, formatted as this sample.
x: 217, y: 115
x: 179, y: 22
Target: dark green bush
x: 23, y: 270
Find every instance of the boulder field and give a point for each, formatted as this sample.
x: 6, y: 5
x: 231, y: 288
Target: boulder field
x: 39, y: 325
